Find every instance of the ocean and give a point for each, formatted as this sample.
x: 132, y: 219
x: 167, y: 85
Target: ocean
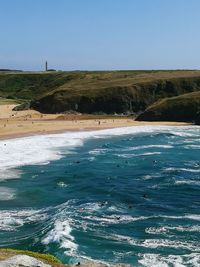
x: 127, y: 195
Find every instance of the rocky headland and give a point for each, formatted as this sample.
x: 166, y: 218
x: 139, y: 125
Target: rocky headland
x: 144, y: 94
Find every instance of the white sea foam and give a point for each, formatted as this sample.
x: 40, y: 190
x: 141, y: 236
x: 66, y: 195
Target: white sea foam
x: 148, y: 146
x: 92, y: 206
x: 31, y: 150
x: 168, y: 229
x: 116, y: 219
x: 188, y: 133
x: 6, y: 174
x: 195, y: 217
x: 150, y: 153
x: 149, y: 177
x: 171, y: 169
x: 156, y: 260
x: 11, y: 220
x: 128, y: 156
x: 192, y: 146
x: 157, y: 243
x: 41, y: 149
x: 6, y: 193
x: 98, y: 151
x: 119, y: 219
x: 62, y: 184
x: 188, y: 182
x: 61, y: 234
x: 156, y: 230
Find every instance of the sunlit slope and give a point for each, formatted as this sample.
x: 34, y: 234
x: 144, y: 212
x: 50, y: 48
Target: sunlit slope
x: 183, y: 108
x: 93, y: 92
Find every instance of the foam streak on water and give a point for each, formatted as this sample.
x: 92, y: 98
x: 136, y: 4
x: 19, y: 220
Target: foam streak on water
x: 127, y: 195
x: 42, y: 149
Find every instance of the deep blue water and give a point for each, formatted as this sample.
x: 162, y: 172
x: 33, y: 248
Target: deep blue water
x: 126, y: 198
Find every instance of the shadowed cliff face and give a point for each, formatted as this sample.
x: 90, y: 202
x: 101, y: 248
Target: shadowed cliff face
x: 122, y: 99
x: 183, y: 108
x: 197, y: 118
x: 110, y: 100
x: 96, y: 92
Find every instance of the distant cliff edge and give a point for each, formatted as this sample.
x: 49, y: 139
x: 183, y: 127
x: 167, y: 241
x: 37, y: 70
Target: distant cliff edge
x: 149, y: 95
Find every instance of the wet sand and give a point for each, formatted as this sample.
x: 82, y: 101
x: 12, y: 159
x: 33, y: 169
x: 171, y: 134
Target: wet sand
x: 30, y: 122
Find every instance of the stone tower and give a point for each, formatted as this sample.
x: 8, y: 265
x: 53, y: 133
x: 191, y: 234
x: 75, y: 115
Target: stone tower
x: 46, y: 66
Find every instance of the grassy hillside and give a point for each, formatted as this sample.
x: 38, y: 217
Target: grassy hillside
x: 92, y: 92
x: 117, y: 92
x: 29, y: 85
x: 7, y: 101
x: 181, y: 108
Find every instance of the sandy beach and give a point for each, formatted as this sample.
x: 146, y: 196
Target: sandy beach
x: 30, y: 122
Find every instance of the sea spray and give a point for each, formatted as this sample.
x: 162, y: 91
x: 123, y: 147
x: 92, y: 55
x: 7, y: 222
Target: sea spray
x: 128, y: 195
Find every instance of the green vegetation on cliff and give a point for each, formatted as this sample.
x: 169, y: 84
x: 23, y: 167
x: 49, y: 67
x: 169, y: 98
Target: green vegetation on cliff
x: 46, y: 258
x: 183, y: 108
x: 128, y: 92
x: 127, y: 96
x: 7, y: 101
x: 29, y: 85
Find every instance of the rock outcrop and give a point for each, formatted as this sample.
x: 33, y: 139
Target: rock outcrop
x: 116, y: 99
x: 127, y: 92
x: 25, y: 258
x: 23, y: 106
x: 197, y: 119
x: 23, y: 261
x: 183, y: 108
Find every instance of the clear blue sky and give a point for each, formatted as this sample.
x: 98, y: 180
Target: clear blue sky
x: 100, y: 34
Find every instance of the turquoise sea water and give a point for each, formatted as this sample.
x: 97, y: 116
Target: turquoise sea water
x: 129, y: 195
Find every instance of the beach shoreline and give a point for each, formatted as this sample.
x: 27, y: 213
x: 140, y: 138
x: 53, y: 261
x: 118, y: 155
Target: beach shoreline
x: 16, y: 124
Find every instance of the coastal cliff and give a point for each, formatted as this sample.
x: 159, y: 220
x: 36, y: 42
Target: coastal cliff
x: 109, y: 92
x: 127, y: 99
x: 183, y: 108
